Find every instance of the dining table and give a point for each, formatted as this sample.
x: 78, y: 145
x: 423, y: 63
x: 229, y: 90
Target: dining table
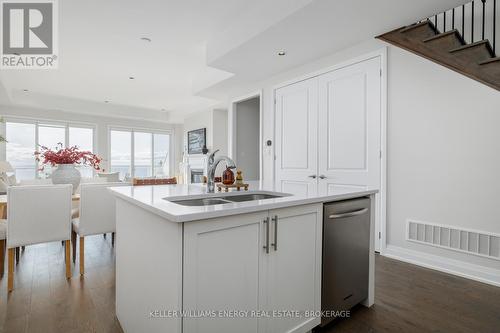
x: 4, y: 204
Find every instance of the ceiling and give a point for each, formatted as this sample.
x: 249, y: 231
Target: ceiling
x: 195, y: 45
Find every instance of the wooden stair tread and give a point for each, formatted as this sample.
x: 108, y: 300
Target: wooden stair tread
x: 490, y: 61
x: 448, y: 51
x: 418, y: 31
x: 484, y: 43
x: 417, y: 25
x: 443, y: 35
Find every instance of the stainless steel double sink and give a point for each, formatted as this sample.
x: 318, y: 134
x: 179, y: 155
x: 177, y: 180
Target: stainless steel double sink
x: 220, y: 200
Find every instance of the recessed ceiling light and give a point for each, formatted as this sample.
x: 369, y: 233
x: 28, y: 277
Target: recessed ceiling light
x: 146, y: 39
x: 106, y: 102
x: 281, y: 53
x: 163, y: 110
x: 25, y: 90
x: 131, y: 78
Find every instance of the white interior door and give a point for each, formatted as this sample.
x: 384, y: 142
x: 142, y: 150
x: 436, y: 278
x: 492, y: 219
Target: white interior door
x: 297, y: 137
x: 350, y: 128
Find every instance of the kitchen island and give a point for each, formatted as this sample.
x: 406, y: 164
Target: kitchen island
x: 191, y: 261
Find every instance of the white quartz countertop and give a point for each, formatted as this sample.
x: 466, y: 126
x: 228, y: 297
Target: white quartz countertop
x: 156, y: 200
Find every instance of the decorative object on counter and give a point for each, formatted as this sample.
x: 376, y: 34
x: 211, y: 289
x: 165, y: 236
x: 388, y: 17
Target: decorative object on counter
x: 65, y: 159
x: 227, y: 187
x: 239, y: 178
x: 217, y: 179
x: 213, y: 162
x: 204, y: 150
x: 228, y: 176
x: 154, y: 181
x: 196, y: 140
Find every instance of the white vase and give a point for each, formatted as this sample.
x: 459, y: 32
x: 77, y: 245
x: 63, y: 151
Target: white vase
x: 66, y: 174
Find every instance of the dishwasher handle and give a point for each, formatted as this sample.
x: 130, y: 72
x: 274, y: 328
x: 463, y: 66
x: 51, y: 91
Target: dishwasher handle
x: 348, y: 214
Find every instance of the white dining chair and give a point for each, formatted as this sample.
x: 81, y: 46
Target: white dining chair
x: 75, y: 210
x: 97, y: 216
x: 38, y: 214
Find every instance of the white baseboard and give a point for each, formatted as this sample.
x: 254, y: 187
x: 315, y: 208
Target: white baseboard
x: 443, y: 264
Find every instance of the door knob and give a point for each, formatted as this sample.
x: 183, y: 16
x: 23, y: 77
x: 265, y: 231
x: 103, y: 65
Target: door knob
x: 312, y: 176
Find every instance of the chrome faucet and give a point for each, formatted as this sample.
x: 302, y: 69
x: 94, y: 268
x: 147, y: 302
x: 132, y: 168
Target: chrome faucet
x: 212, y: 165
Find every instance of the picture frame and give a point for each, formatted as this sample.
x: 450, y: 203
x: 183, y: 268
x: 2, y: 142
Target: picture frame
x: 196, y: 139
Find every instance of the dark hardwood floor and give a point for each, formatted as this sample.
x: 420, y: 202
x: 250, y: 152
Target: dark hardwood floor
x: 408, y: 298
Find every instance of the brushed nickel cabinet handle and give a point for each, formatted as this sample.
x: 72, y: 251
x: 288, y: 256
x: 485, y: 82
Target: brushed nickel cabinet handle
x: 349, y: 214
x: 266, y: 246
x: 322, y: 177
x: 275, y: 244
x: 312, y: 176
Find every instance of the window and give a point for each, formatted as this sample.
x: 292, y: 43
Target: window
x: 23, y: 138
x: 143, y: 155
x: 49, y: 136
x: 140, y: 153
x: 83, y: 138
x: 20, y: 148
x: 121, y: 153
x: 161, y: 161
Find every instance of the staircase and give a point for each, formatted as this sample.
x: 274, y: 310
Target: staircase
x: 461, y: 44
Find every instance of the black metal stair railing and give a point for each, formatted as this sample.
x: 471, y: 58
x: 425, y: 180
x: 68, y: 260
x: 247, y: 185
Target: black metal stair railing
x: 465, y: 19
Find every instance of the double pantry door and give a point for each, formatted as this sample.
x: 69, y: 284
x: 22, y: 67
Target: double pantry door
x: 328, y: 132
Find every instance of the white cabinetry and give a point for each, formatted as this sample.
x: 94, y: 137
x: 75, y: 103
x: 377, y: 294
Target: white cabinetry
x: 263, y: 262
x: 294, y: 270
x: 223, y: 268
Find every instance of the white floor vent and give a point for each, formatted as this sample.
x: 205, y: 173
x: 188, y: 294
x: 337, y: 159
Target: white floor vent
x: 479, y: 243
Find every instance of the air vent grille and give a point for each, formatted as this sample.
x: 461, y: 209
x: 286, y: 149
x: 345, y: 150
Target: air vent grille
x: 479, y: 243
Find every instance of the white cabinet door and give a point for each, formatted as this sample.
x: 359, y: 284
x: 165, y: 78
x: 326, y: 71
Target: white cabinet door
x: 223, y: 270
x: 294, y: 276
x: 349, y: 127
x: 297, y: 137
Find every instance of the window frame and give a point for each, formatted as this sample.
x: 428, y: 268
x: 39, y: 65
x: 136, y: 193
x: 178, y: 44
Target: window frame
x: 48, y: 122
x: 152, y: 131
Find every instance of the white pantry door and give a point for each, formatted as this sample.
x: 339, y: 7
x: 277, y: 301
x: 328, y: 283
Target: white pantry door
x: 297, y: 137
x: 350, y: 129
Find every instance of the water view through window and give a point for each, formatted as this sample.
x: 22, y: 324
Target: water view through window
x: 23, y: 142
x: 140, y: 154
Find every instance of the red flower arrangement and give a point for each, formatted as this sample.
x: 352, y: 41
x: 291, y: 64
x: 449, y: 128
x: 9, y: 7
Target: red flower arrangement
x: 70, y: 155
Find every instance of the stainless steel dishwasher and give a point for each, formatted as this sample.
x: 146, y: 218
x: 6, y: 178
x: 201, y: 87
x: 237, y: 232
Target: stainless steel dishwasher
x: 346, y: 245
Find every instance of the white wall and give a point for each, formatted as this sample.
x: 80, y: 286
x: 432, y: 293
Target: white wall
x: 443, y: 144
x: 443, y: 150
x: 247, y: 138
x: 102, y: 125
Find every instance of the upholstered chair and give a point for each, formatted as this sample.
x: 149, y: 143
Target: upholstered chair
x: 97, y: 216
x: 38, y: 214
